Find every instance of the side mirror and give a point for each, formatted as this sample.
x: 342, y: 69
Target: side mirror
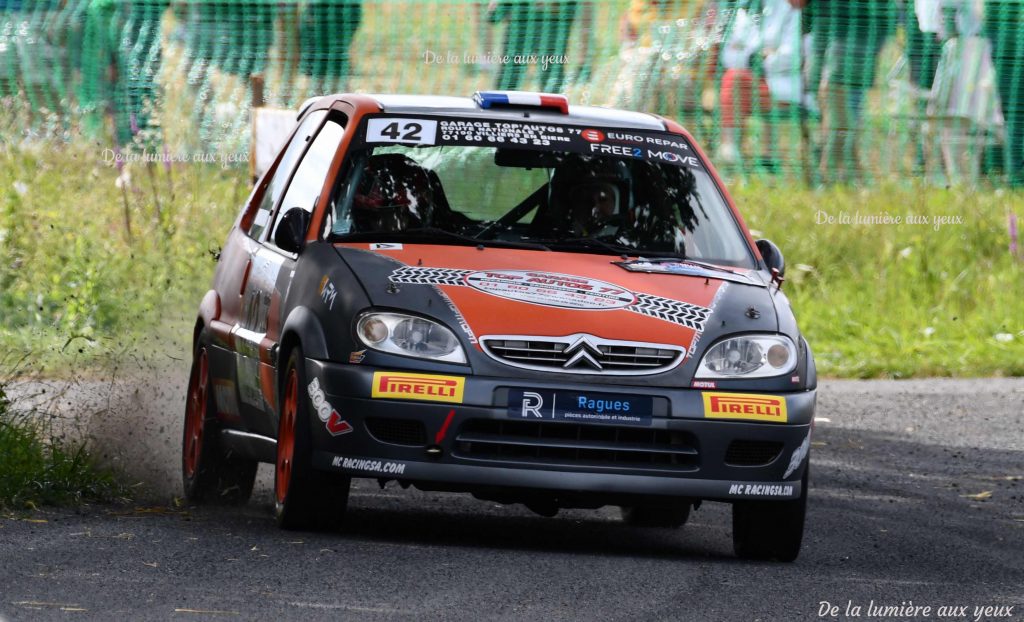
x: 772, y: 257
x: 291, y: 231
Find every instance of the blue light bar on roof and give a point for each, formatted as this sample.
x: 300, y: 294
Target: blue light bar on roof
x: 490, y: 99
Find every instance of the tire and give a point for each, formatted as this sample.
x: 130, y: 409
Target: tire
x: 304, y: 498
x: 208, y: 473
x: 770, y: 529
x: 670, y: 515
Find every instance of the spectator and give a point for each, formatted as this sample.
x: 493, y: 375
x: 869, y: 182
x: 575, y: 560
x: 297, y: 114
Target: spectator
x: 668, y: 57
x: 847, y: 36
x: 541, y: 29
x: 140, y: 60
x: 120, y: 61
x: 762, y: 51
x: 925, y: 28
x: 326, y: 30
x: 485, y: 38
x: 233, y: 36
x: 964, y: 99
x: 1004, y: 25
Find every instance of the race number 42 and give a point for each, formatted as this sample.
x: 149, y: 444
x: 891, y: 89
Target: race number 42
x: 406, y: 131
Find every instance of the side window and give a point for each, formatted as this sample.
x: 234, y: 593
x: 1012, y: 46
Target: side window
x: 311, y: 174
x: 276, y: 185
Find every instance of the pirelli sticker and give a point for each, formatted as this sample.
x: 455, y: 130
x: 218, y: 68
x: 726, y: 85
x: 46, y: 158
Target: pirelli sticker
x: 406, y: 386
x: 745, y: 406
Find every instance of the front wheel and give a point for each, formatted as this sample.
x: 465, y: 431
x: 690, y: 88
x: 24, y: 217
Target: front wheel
x: 304, y: 498
x: 770, y: 529
x: 209, y: 474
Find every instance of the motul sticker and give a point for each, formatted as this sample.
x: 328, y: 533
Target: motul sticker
x: 427, y: 387
x: 325, y: 412
x: 747, y: 406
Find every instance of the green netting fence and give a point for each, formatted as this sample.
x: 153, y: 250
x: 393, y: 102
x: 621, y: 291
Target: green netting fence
x: 816, y: 90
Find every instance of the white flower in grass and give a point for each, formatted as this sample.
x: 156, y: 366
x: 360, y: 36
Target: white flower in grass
x: 124, y: 180
x: 906, y: 252
x: 20, y: 187
x: 1004, y: 337
x: 928, y: 331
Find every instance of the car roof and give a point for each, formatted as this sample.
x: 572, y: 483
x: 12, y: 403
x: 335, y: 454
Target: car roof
x: 466, y: 107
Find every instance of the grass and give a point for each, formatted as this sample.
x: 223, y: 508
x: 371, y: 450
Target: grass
x: 873, y: 300
x: 73, y: 281
x: 900, y: 300
x: 38, y: 466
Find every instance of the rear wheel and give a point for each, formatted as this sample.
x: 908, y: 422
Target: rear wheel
x: 669, y: 515
x: 209, y: 474
x: 770, y: 529
x: 304, y: 498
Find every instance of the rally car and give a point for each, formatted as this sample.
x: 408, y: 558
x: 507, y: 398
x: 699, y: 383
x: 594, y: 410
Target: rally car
x: 507, y: 296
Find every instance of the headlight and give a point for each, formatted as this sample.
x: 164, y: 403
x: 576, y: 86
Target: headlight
x: 409, y: 335
x: 749, y: 356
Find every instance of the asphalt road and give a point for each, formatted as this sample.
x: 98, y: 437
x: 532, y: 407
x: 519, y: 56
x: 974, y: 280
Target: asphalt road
x: 916, y: 499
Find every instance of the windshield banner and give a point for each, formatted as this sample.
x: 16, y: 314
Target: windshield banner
x: 428, y: 131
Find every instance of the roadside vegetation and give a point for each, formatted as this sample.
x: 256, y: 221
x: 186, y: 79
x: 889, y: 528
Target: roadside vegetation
x: 875, y: 300
x: 935, y: 297
x: 94, y: 257
x: 39, y: 466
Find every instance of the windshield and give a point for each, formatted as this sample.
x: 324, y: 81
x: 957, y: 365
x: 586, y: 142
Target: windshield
x: 565, y: 188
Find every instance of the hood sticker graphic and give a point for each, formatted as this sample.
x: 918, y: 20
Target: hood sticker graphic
x: 558, y: 290
x: 551, y: 290
x: 714, y: 304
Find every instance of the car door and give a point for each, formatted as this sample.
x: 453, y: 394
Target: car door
x: 256, y: 337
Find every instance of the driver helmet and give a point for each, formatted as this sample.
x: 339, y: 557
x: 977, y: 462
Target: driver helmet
x: 394, y: 193
x: 591, y: 193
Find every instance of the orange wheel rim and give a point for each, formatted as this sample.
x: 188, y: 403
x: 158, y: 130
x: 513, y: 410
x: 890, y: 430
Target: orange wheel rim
x: 195, y: 414
x: 286, y: 437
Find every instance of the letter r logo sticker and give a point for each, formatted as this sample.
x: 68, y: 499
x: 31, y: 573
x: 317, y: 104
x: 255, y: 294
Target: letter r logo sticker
x: 532, y: 403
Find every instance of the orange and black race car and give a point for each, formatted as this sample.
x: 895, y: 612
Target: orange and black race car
x: 507, y: 296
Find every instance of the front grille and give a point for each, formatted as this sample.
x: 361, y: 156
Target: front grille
x: 582, y: 354
x: 599, y: 446
x: 397, y: 431
x: 752, y: 453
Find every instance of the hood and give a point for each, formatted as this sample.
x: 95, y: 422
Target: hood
x: 496, y: 291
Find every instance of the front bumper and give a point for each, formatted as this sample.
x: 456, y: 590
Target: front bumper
x: 474, y: 445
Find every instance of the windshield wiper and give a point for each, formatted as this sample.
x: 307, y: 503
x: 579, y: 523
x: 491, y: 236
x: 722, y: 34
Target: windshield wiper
x: 594, y: 244
x: 426, y: 233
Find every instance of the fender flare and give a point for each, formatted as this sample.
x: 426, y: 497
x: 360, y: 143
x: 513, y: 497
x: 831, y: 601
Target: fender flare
x: 209, y: 308
x: 302, y: 324
x: 811, y: 375
x: 209, y: 317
